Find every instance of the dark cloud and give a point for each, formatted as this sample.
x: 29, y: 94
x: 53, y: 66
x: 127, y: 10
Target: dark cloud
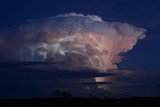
x: 28, y: 81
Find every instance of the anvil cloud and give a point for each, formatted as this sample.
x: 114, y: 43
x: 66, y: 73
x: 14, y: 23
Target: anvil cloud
x: 69, y: 41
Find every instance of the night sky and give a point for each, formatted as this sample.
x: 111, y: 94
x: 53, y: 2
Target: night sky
x: 139, y: 69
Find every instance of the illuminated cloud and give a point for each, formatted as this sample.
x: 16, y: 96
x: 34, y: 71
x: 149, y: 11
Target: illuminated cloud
x: 70, y: 41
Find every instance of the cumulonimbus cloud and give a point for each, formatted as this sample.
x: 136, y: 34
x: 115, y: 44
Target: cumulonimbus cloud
x: 70, y: 41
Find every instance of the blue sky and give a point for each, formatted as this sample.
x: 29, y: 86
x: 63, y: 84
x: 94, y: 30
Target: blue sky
x: 144, y: 57
x: 142, y: 13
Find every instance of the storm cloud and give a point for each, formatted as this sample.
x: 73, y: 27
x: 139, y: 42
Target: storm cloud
x: 70, y: 41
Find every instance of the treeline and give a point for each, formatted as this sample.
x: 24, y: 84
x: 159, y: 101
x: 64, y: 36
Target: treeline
x: 65, y: 99
x: 82, y: 102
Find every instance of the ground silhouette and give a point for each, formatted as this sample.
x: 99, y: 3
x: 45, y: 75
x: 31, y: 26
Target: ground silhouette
x: 65, y: 99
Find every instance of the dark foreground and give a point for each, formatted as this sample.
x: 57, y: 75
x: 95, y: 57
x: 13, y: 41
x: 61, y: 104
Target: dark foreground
x: 83, y: 102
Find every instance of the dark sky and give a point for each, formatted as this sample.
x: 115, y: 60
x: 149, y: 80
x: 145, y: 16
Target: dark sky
x: 144, y: 57
x: 142, y: 13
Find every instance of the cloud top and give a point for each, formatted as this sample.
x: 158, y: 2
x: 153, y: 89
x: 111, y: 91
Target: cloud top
x: 70, y: 41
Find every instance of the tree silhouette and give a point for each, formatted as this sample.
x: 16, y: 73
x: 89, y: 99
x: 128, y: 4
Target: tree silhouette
x: 62, y: 94
x: 65, y: 94
x: 57, y: 93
